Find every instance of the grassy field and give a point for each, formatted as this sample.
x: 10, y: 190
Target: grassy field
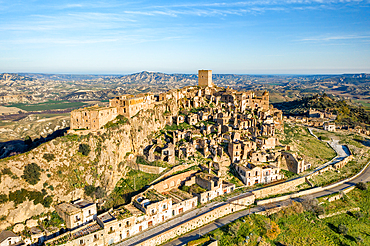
x: 49, y: 105
x: 366, y: 104
x: 359, y: 148
x: 315, y: 151
x: 127, y: 187
x: 297, y: 225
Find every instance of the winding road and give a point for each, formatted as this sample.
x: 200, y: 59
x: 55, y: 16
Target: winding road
x: 342, y: 152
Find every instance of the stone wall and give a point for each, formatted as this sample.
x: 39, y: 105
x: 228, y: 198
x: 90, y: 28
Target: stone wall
x: 146, y: 168
x: 173, y: 182
x: 232, y: 206
x: 279, y: 188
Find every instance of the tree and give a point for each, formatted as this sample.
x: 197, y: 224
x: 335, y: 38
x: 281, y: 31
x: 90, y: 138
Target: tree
x: 361, y: 186
x: 89, y: 190
x: 84, y: 149
x: 47, y: 201
x: 99, y: 192
x: 342, y: 229
x: 32, y: 173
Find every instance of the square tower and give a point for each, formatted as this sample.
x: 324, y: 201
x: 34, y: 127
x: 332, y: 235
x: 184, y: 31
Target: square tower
x: 205, y: 78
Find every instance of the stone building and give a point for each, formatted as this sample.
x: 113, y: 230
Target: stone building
x: 129, y: 105
x: 235, y: 151
x: 295, y: 163
x: 92, y: 118
x: 205, y: 78
x: 78, y: 213
x: 258, y: 174
x: 214, y: 185
x: 329, y: 126
x: 266, y: 142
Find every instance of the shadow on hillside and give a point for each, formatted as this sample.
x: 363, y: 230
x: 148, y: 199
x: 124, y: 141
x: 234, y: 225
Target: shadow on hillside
x: 365, y: 142
x: 15, y: 147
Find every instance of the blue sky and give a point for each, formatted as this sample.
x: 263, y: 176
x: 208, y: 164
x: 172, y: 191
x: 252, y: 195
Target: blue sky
x: 244, y: 37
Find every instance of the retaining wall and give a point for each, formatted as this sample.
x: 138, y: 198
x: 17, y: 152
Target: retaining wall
x: 146, y: 168
x: 279, y: 188
x: 235, y: 205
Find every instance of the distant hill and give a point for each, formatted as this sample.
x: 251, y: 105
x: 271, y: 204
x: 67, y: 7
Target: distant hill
x: 346, y: 113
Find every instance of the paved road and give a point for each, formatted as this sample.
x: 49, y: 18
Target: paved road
x: 365, y: 176
x: 342, y: 152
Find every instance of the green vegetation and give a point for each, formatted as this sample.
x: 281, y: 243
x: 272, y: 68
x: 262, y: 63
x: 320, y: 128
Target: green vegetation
x: 316, y: 151
x: 288, y: 174
x: 92, y: 191
x: 199, y: 241
x: 49, y: 105
x: 120, y: 120
x: 134, y: 183
x: 3, y: 198
x: 142, y: 160
x: 299, y: 225
x: 7, y: 171
x: 84, y: 149
x: 48, y: 157
x: 333, y: 176
x: 52, y: 220
x: 32, y: 173
x: 346, y: 113
x: 361, y: 186
x: 175, y: 127
x: 20, y: 196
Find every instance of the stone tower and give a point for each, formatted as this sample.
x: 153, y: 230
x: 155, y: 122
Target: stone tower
x: 205, y: 78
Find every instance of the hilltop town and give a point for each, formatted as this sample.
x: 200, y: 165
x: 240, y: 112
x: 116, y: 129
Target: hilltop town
x: 206, y: 143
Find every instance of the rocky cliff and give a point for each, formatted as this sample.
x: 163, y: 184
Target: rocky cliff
x: 65, y: 176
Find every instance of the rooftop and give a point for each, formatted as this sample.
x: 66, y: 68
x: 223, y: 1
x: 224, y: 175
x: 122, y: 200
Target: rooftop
x: 106, y: 217
x: 6, y: 234
x: 68, y: 208
x: 178, y: 195
x: 82, y: 204
x: 93, y: 227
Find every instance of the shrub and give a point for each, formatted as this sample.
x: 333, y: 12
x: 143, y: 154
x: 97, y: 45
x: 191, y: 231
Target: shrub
x: 99, y: 192
x: 318, y: 210
x: 273, y: 232
x: 47, y: 201
x: 361, y: 186
x: 3, y: 198
x: 358, y: 215
x: 49, y: 157
x: 36, y: 196
x: 84, y: 149
x: 32, y: 173
x: 18, y: 196
x: 342, y: 229
x: 6, y: 171
x: 89, y: 190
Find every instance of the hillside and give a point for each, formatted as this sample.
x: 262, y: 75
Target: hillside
x: 348, y: 114
x: 67, y: 164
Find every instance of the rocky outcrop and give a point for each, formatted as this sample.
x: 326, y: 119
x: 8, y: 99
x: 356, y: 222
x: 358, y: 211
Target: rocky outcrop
x: 70, y: 171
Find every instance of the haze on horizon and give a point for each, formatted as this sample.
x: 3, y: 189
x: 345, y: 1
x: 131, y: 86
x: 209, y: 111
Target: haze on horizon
x: 242, y: 37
